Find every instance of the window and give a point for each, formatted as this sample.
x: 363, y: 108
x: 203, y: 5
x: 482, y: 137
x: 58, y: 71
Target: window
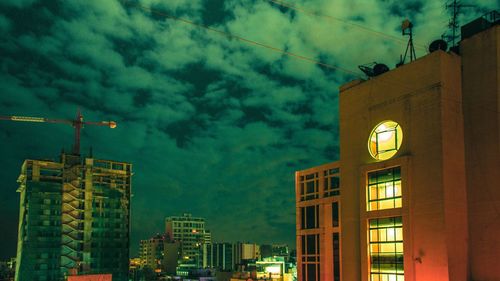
x: 385, y: 140
x: 384, y: 189
x: 309, y: 187
x: 335, y: 214
x: 310, y: 257
x: 309, y: 217
x: 385, y: 236
x: 336, y: 256
x: 331, y: 182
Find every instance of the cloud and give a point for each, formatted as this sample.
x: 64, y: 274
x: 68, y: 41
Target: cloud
x: 213, y: 125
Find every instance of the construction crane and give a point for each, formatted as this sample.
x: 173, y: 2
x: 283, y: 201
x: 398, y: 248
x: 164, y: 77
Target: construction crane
x: 78, y: 124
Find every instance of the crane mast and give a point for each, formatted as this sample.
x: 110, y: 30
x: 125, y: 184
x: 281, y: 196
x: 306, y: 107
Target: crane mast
x: 78, y: 123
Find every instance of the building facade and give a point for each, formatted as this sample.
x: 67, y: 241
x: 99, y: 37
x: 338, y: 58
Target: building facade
x: 160, y: 254
x: 419, y: 150
x: 151, y: 252
x: 318, y: 222
x: 74, y: 218
x: 190, y: 232
x: 218, y: 256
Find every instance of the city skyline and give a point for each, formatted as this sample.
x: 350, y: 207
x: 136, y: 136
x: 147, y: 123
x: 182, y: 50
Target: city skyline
x: 213, y: 127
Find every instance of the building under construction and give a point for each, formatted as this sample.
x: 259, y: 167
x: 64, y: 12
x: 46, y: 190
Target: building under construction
x: 74, y: 218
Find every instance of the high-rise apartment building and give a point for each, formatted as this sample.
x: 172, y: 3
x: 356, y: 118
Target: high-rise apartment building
x: 419, y: 154
x: 191, y: 233
x: 74, y: 218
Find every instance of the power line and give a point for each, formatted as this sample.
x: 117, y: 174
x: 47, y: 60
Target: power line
x: 248, y: 41
x: 317, y: 14
x: 269, y: 47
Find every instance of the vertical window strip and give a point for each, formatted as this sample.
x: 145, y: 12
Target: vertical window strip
x: 385, y: 236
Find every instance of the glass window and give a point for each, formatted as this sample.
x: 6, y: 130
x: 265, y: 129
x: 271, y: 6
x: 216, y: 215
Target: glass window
x: 336, y: 256
x: 385, y: 140
x: 385, y: 236
x: 335, y: 214
x: 309, y: 217
x: 384, y: 189
x: 331, y: 182
x: 309, y: 187
x: 310, y: 257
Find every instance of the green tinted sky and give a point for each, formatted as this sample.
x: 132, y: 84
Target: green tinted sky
x: 213, y: 126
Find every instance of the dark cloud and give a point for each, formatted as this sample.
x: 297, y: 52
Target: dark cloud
x: 214, y: 126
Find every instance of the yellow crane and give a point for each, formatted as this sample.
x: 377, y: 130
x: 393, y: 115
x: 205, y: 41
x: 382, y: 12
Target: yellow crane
x: 77, y: 123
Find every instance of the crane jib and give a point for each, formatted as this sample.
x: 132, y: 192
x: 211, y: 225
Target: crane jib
x: 27, y: 119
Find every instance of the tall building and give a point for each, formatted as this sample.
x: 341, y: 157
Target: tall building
x: 218, y: 256
x: 190, y: 231
x: 74, y: 218
x: 480, y: 52
x: 419, y: 151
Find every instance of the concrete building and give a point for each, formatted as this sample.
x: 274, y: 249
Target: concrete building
x: 419, y: 151
x: 274, y: 250
x: 318, y: 225
x: 160, y: 254
x: 190, y: 231
x: 151, y: 252
x: 218, y: 256
x: 74, y: 218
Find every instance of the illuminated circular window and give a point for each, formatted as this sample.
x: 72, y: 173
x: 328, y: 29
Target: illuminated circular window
x: 385, y: 140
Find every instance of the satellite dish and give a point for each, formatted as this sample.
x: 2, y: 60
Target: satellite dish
x: 380, y: 68
x: 373, y: 69
x: 439, y: 44
x: 406, y: 24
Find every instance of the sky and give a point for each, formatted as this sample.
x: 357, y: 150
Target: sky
x: 214, y: 126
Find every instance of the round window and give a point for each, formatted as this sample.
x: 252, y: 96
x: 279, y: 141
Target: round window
x: 385, y: 140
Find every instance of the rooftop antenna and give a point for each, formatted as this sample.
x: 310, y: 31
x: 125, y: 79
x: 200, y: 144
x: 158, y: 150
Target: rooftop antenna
x: 455, y: 8
x: 407, y: 29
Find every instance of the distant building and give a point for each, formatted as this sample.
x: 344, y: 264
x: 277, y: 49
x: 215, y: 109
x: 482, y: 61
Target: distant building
x: 280, y: 250
x: 191, y: 233
x: 160, y: 254
x: 245, y: 253
x: 418, y: 169
x: 274, y: 250
x: 7, y: 270
x: 218, y: 256
x: 271, y: 269
x: 74, y: 217
x: 266, y: 250
x: 151, y: 252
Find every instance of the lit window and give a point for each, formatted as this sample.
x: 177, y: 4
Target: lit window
x: 384, y: 189
x: 385, y: 140
x: 385, y: 236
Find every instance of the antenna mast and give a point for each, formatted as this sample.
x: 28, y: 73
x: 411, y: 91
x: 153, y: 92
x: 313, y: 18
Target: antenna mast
x: 455, y: 10
x: 407, y: 29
